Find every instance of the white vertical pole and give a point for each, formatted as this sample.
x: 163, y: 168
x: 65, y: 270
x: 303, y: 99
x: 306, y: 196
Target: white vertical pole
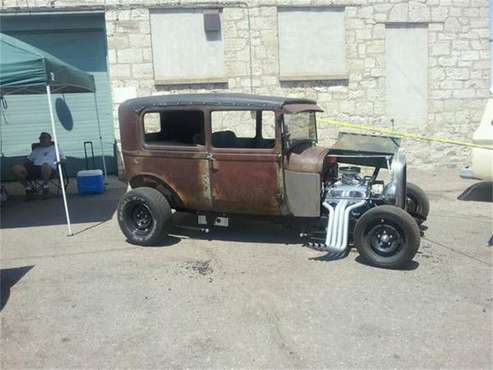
x: 100, y: 135
x: 53, y: 131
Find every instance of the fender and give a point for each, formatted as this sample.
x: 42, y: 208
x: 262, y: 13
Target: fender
x: 152, y: 181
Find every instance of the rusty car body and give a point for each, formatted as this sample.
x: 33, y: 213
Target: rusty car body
x: 185, y: 163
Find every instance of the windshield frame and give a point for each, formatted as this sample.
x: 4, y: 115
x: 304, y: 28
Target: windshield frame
x: 285, y: 131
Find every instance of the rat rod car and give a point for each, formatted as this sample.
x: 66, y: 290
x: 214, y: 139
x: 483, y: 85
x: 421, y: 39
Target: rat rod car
x: 230, y: 154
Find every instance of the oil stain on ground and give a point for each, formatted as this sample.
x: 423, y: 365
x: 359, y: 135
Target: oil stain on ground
x: 198, y: 268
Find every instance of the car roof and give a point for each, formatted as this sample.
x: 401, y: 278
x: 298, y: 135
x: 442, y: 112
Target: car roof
x: 224, y: 100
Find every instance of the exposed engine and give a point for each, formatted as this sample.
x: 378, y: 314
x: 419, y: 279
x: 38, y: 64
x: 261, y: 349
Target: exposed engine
x: 341, y: 196
x: 346, y: 195
x: 348, y: 185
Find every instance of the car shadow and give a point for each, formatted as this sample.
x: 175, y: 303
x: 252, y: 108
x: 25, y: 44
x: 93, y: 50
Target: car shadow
x: 331, y: 256
x: 8, y: 278
x: 169, y: 241
x: 241, y: 229
x: 410, y: 266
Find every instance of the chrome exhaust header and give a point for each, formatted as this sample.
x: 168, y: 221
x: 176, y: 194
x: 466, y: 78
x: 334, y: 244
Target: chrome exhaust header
x: 338, y: 224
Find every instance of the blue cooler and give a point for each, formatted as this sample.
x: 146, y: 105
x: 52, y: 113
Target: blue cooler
x: 90, y: 182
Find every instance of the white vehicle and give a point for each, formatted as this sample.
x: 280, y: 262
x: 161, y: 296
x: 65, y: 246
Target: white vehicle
x: 482, y: 159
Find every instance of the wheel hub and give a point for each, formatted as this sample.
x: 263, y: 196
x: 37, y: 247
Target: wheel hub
x: 141, y: 217
x: 385, y: 239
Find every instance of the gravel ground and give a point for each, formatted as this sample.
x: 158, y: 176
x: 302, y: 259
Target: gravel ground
x: 248, y: 297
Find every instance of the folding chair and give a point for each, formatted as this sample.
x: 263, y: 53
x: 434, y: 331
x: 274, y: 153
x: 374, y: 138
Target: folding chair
x: 54, y: 182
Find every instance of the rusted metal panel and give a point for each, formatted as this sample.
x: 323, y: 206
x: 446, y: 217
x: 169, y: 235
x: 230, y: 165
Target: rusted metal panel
x: 306, y: 158
x: 187, y: 176
x: 128, y: 121
x: 246, y: 183
x: 247, y: 180
x: 184, y: 169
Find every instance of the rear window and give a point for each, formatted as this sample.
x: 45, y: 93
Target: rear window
x: 174, y: 128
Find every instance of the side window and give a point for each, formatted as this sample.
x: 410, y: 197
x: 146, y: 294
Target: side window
x: 176, y: 128
x: 238, y: 129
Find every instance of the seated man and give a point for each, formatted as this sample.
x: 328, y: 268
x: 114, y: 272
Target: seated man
x: 40, y: 164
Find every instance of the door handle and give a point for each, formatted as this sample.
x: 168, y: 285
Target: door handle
x: 214, y: 164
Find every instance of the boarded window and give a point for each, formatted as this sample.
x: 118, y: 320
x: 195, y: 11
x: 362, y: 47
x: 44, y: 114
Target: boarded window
x: 406, y: 73
x: 243, y: 129
x: 187, y: 46
x: 312, y: 43
x: 174, y: 128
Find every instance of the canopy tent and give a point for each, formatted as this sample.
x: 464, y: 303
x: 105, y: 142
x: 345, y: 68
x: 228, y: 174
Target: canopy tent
x: 25, y: 69
x: 28, y: 70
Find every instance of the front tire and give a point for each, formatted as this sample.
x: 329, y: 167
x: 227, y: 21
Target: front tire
x: 387, y: 236
x: 143, y: 214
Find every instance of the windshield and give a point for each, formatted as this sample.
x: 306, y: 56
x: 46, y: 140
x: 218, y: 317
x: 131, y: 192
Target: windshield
x: 300, y: 127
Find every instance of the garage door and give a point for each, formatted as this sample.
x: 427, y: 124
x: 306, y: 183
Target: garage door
x: 79, y: 40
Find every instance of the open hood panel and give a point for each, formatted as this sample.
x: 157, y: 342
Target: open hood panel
x: 365, y: 150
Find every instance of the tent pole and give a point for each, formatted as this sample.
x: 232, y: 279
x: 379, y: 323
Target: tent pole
x: 48, y: 93
x: 100, y: 136
x: 3, y: 106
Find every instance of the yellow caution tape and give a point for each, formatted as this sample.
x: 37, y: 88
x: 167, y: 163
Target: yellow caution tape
x: 405, y: 135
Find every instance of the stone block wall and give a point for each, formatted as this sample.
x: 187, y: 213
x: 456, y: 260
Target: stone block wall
x: 458, y: 61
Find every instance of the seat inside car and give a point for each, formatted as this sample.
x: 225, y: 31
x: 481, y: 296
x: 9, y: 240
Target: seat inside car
x: 224, y: 139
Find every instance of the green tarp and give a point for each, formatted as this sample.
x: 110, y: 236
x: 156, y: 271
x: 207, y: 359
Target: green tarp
x: 25, y: 69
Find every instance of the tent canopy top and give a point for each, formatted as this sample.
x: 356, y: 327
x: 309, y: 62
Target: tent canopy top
x: 25, y: 69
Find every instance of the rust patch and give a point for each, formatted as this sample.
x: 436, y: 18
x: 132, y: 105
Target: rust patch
x: 306, y: 158
x: 187, y: 176
x: 246, y: 183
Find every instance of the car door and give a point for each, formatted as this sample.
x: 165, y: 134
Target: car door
x: 245, y: 162
x: 174, y: 152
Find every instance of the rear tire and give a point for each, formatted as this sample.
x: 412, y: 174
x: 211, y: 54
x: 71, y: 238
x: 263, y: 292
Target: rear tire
x: 387, y: 236
x: 143, y: 214
x: 417, y: 203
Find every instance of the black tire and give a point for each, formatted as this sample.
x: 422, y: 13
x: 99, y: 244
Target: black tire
x: 143, y: 214
x: 417, y: 203
x: 387, y: 236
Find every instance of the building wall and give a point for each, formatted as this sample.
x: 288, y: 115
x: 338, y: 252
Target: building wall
x: 458, y: 61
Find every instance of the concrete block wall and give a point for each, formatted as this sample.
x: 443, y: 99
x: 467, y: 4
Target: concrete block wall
x: 458, y: 61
